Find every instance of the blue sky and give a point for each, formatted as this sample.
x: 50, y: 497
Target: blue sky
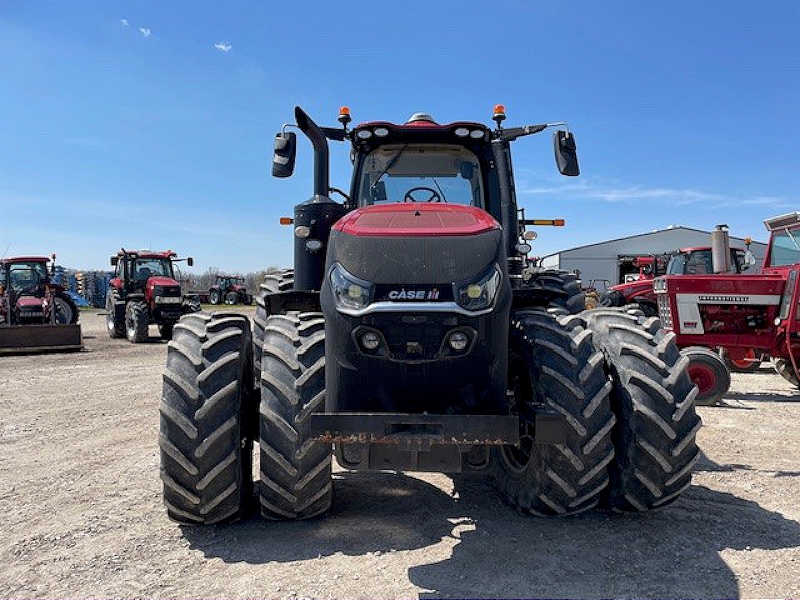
x: 150, y: 124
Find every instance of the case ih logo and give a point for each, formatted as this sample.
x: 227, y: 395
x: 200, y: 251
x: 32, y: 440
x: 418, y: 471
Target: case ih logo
x: 403, y: 294
x: 735, y: 299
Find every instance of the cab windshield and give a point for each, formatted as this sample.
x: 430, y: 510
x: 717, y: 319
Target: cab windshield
x: 421, y: 173
x: 785, y: 248
x: 26, y: 274
x: 144, y: 268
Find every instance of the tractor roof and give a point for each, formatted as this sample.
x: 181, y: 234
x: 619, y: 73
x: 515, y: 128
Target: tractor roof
x: 419, y: 129
x: 147, y: 254
x: 19, y: 259
x: 702, y: 249
x: 224, y: 276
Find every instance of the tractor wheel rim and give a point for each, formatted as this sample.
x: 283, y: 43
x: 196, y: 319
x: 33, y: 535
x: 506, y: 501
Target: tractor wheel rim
x: 704, y: 378
x: 746, y: 361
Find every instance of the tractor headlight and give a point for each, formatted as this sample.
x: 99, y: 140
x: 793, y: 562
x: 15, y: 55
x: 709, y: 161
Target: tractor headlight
x: 349, y: 291
x: 478, y: 293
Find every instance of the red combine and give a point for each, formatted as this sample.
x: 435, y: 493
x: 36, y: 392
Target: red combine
x: 36, y: 314
x: 736, y: 312
x: 144, y: 290
x: 229, y: 289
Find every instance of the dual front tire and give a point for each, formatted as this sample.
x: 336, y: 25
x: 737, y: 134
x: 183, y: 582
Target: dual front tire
x: 624, y: 390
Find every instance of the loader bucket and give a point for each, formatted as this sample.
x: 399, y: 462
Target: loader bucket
x: 18, y: 339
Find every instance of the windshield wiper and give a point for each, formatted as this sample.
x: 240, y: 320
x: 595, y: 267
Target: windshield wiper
x: 388, y: 166
x: 791, y: 237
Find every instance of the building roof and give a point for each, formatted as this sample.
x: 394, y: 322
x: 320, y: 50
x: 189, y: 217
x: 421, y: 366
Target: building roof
x: 648, y: 233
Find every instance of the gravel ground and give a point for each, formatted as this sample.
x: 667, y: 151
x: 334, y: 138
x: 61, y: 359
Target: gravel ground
x: 81, y: 496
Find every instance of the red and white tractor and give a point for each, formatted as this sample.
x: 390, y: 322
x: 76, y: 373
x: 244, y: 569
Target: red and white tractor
x: 740, y: 313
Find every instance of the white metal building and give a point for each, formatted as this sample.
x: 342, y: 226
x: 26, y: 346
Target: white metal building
x: 601, y: 261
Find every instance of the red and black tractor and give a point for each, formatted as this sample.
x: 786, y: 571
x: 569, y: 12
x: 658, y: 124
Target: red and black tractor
x: 36, y: 313
x: 741, y: 313
x: 414, y: 338
x: 229, y: 289
x: 143, y: 291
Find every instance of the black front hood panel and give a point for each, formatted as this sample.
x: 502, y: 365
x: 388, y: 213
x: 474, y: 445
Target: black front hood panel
x: 417, y: 259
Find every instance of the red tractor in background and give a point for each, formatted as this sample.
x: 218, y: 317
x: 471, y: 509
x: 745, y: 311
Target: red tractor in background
x: 229, y: 289
x: 35, y: 313
x: 742, y: 314
x: 685, y: 261
x: 144, y: 290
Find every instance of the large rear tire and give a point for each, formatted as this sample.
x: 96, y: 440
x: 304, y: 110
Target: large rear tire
x: 66, y: 309
x: 214, y: 297
x: 554, y: 364
x: 231, y: 298
x: 273, y: 282
x: 295, y: 471
x: 208, y: 419
x: 115, y: 326
x: 137, y: 322
x: 653, y: 399
x: 564, y: 287
x: 709, y: 373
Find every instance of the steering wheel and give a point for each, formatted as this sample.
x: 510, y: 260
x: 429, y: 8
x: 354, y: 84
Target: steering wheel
x: 435, y: 197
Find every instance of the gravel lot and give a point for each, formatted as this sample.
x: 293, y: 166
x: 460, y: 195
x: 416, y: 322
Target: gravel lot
x: 81, y: 496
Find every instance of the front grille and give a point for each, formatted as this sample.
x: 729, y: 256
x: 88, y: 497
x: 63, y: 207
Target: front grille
x: 415, y: 336
x: 664, y: 312
x: 171, y: 291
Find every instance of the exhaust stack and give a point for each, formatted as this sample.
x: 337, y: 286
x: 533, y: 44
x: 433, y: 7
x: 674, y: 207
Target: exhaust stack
x: 721, y: 249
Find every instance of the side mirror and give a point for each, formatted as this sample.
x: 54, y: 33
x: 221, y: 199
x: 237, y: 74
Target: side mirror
x: 566, y: 153
x: 190, y: 261
x: 466, y: 170
x: 114, y: 261
x: 285, y: 152
x: 378, y: 191
x: 749, y: 261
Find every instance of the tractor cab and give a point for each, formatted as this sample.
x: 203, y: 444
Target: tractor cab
x: 133, y: 270
x: 783, y: 251
x: 698, y: 261
x: 26, y: 275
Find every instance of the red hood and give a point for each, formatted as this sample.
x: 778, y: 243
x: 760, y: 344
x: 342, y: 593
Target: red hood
x: 161, y: 280
x: 633, y: 288
x: 416, y: 219
x: 29, y: 302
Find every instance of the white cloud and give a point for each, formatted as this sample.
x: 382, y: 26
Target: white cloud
x: 609, y: 192
x: 124, y: 23
x: 223, y: 46
x: 145, y: 31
